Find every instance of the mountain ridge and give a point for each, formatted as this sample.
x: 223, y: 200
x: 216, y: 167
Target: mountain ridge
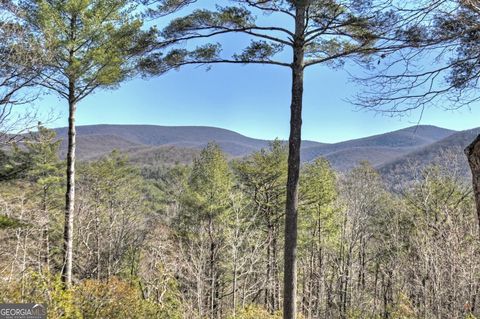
x: 138, y: 141
x: 92, y: 129
x: 447, y: 152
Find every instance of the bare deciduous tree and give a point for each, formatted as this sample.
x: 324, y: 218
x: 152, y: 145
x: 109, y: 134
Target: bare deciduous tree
x: 21, y: 60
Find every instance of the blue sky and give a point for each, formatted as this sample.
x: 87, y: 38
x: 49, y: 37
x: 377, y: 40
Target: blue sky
x: 251, y: 100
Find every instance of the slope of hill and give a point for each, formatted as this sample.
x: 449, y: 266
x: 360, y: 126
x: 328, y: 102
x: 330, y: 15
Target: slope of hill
x: 162, y: 155
x: 146, y: 143
x: 166, y: 135
x: 377, y: 149
x: 348, y: 158
x: 124, y: 137
x: 406, y: 139
x: 447, y: 152
x: 95, y: 145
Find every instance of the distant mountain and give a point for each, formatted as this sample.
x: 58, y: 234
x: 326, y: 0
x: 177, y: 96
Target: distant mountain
x: 162, y: 155
x: 377, y: 149
x: 96, y: 145
x: 348, y: 158
x: 447, y: 152
x: 150, y: 144
x: 93, y: 140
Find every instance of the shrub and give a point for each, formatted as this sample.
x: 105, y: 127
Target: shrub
x: 255, y: 312
x: 114, y: 299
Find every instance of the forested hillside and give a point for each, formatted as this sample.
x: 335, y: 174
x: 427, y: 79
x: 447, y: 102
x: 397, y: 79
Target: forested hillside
x: 144, y: 143
x: 205, y: 239
x: 98, y: 138
x: 109, y: 221
x: 399, y: 156
x: 447, y: 152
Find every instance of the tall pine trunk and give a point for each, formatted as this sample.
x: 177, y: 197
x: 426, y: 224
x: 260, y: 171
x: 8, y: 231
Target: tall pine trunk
x: 473, y: 154
x: 294, y: 143
x: 70, y: 193
x: 45, y: 232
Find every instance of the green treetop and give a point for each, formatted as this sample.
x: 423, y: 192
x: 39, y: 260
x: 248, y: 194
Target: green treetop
x: 91, y: 44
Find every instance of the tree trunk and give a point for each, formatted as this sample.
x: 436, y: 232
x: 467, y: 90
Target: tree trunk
x: 473, y: 154
x: 294, y: 143
x: 46, y: 229
x: 234, y: 283
x: 70, y: 194
x: 269, y: 272
x: 276, y: 292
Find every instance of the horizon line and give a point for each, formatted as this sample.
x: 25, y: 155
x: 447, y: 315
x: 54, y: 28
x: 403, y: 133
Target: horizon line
x: 256, y: 138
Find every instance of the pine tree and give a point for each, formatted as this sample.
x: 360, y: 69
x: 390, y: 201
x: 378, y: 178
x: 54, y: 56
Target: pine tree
x: 92, y: 45
x: 319, y: 230
x: 262, y: 177
x: 45, y: 175
x: 201, y: 223
x: 321, y: 32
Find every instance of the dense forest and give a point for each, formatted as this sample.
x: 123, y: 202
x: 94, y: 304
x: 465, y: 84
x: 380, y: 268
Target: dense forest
x: 204, y: 240
x: 262, y: 235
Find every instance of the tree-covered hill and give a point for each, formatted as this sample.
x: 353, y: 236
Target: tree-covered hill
x: 145, y: 144
x: 447, y: 152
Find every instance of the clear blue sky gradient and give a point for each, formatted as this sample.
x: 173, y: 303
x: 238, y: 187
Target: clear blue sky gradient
x: 252, y: 100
